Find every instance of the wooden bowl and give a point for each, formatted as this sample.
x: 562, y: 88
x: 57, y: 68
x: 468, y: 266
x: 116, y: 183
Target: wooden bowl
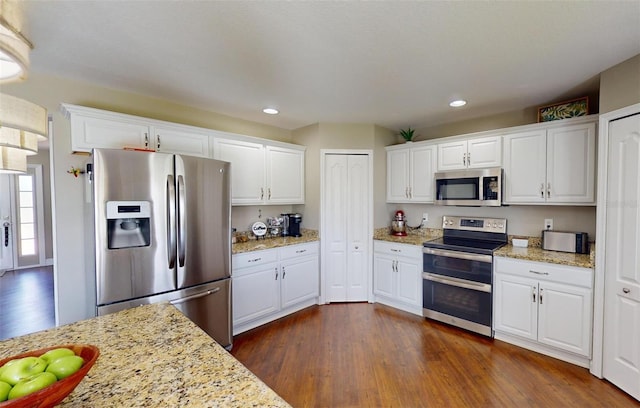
x: 56, y: 392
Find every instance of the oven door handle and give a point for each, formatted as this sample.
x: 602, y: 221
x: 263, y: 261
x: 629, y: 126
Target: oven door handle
x: 458, y: 255
x: 481, y: 287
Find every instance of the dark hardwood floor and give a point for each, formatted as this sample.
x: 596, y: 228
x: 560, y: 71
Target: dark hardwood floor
x: 363, y: 355
x: 26, y: 301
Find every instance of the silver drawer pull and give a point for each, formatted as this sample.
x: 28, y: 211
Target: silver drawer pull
x: 539, y: 273
x: 254, y: 260
x: 626, y: 290
x: 396, y: 250
x: 300, y: 251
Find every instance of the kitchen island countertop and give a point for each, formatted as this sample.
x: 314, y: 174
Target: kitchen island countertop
x: 152, y: 356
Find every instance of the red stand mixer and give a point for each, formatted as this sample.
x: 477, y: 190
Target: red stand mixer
x: 399, y: 225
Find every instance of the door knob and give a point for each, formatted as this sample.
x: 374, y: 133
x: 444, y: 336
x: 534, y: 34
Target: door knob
x: 626, y: 290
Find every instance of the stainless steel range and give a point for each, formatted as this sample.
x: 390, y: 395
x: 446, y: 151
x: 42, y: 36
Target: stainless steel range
x: 457, y: 272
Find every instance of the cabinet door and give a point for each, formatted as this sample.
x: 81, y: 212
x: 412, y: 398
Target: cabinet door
x: 180, y: 141
x: 452, y: 155
x: 383, y: 275
x: 525, y: 167
x: 571, y: 155
x: 409, y: 281
x: 88, y: 132
x: 421, y: 188
x: 564, y: 317
x: 398, y: 176
x: 516, y: 306
x: 300, y: 280
x: 256, y: 294
x: 285, y: 176
x: 484, y: 152
x: 247, y: 169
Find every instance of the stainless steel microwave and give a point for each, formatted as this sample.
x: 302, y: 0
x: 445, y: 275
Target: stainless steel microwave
x: 472, y: 187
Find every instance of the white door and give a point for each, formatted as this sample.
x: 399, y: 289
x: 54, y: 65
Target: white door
x: 6, y: 223
x: 346, y: 218
x: 621, y: 359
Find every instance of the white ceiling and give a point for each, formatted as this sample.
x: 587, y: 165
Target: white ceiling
x: 391, y: 63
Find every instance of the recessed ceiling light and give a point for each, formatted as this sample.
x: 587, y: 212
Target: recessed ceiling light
x: 271, y: 111
x: 457, y: 103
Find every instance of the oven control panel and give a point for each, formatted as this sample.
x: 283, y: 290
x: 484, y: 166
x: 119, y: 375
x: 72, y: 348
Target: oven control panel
x: 495, y: 225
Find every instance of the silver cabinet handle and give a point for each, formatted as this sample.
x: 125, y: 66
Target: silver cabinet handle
x: 300, y: 251
x: 469, y: 159
x: 146, y: 140
x: 261, y: 193
x: 284, y: 272
x: 626, y: 290
x: 158, y: 141
x: 541, y: 295
x: 542, y: 190
x: 410, y: 193
x: 533, y: 292
x: 192, y: 297
x: 548, y: 190
x: 406, y: 192
x: 6, y: 226
x: 539, y: 273
x: 254, y: 260
x: 395, y: 250
x: 269, y: 193
x: 464, y: 159
x: 276, y: 273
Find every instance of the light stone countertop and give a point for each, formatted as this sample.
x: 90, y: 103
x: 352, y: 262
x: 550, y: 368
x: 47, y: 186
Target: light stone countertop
x: 152, y: 356
x: 414, y: 237
x: 538, y: 254
x: 270, y: 243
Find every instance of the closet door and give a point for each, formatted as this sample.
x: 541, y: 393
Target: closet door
x: 346, y: 212
x: 621, y: 360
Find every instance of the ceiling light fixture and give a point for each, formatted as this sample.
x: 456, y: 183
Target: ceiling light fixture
x: 22, y: 125
x: 271, y: 111
x: 457, y: 103
x: 14, y: 47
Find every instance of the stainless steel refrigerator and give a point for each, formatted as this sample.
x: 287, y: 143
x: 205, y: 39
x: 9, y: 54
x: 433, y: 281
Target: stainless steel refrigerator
x: 162, y: 233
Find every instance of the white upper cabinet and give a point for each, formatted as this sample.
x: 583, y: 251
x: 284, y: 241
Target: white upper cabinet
x: 410, y: 174
x: 472, y: 153
x: 94, y: 128
x: 551, y: 165
x: 262, y: 174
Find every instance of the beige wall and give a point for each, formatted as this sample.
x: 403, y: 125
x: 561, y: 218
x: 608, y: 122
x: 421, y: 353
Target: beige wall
x: 620, y: 85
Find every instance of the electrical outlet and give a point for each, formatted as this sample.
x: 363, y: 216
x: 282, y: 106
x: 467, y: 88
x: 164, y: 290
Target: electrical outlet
x: 548, y: 223
x: 425, y: 217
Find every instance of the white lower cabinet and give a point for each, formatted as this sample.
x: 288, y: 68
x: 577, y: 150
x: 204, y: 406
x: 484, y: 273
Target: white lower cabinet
x: 397, y: 276
x: 544, y: 307
x: 273, y: 283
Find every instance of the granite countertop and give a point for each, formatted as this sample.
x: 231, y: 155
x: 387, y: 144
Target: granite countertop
x: 534, y: 253
x: 152, y: 356
x: 270, y: 243
x: 414, y: 237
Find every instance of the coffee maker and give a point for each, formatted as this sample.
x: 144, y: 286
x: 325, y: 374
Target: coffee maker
x: 291, y: 227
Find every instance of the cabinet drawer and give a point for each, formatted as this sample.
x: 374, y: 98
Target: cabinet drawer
x: 293, y: 251
x: 254, y: 258
x: 542, y: 271
x: 391, y: 248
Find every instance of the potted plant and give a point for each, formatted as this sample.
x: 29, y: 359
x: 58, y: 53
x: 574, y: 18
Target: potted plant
x: 407, y: 134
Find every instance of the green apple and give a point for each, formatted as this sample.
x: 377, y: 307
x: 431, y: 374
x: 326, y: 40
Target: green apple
x: 4, y: 390
x: 32, y: 384
x: 19, y: 369
x: 52, y: 355
x: 65, y: 366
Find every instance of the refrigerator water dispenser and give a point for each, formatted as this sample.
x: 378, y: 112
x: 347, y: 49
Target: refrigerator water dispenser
x: 128, y: 224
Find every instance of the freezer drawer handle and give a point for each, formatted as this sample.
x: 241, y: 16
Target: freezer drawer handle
x: 196, y: 296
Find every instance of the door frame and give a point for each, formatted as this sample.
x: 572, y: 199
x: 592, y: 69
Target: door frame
x: 323, y: 216
x: 601, y: 229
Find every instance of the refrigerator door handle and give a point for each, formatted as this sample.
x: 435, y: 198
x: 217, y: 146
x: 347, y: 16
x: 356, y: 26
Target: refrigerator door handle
x: 171, y: 222
x: 182, y: 203
x: 196, y: 296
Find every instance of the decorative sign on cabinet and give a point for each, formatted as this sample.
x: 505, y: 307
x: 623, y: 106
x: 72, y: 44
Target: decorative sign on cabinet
x: 273, y: 283
x: 410, y: 174
x: 551, y: 166
x: 545, y: 308
x: 397, y: 276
